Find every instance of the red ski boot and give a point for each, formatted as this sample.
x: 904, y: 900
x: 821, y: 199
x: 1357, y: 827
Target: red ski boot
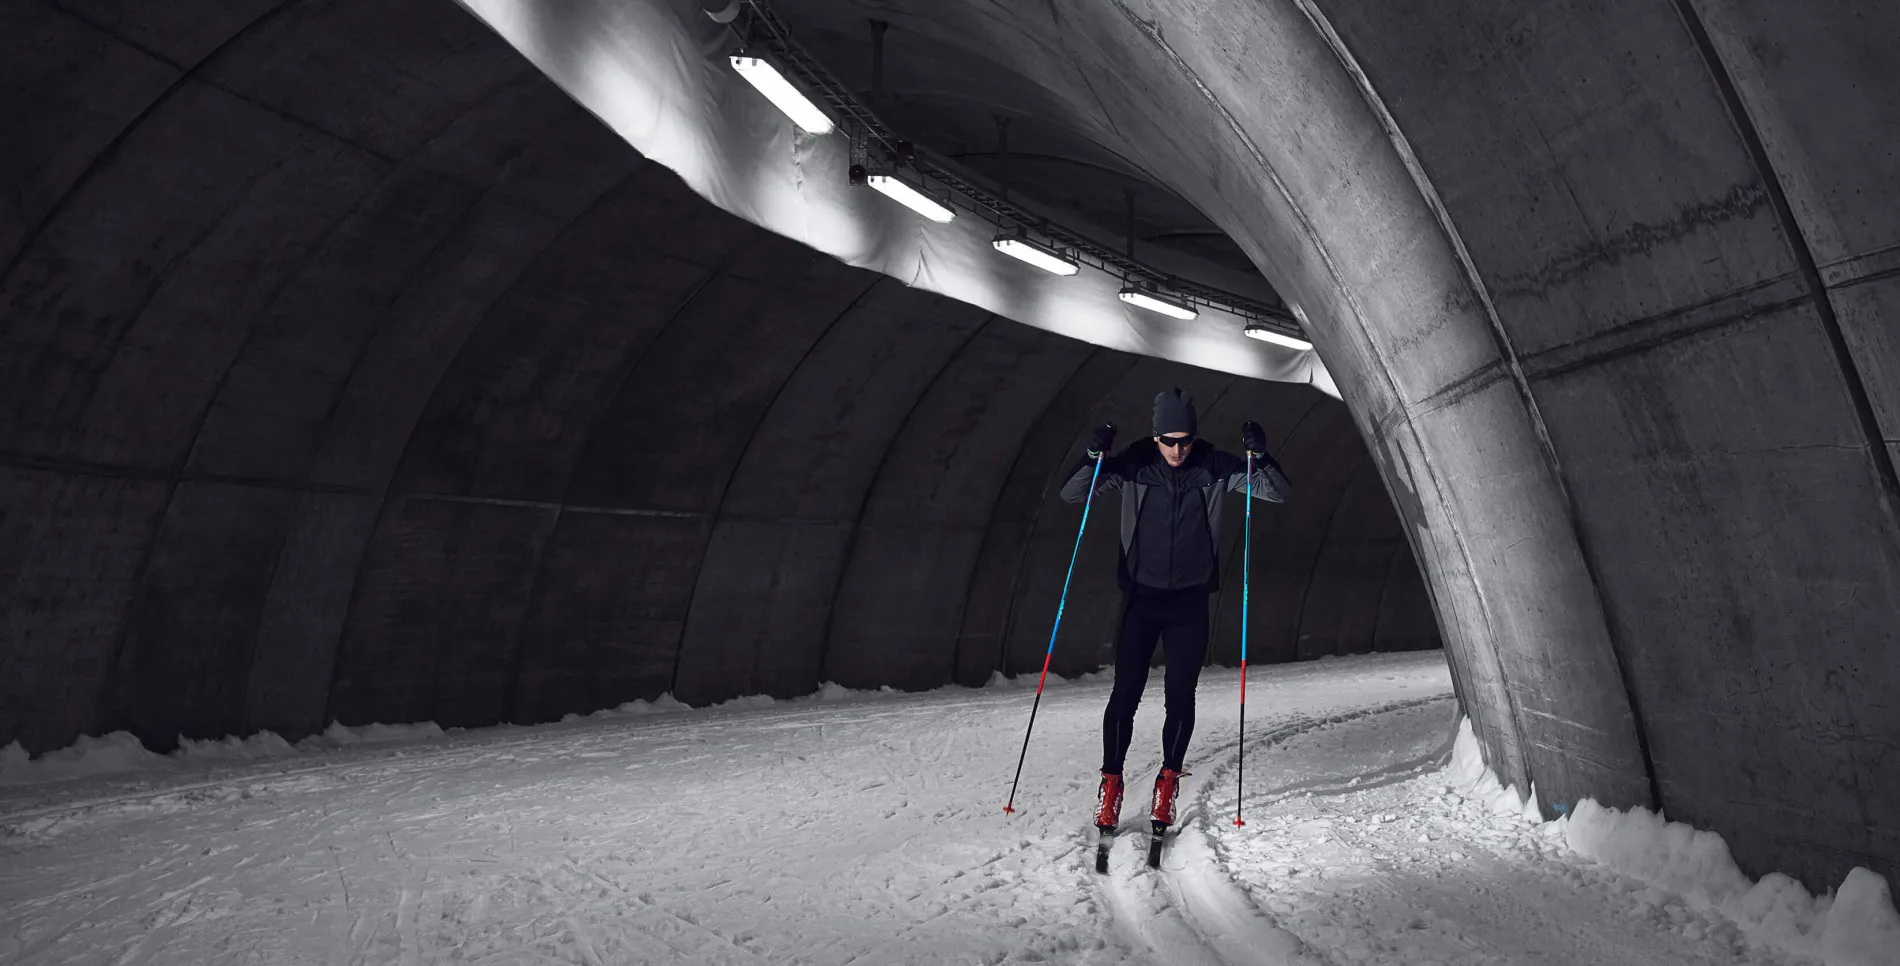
x: 1108, y: 803
x: 1167, y: 785
x: 1108, y: 814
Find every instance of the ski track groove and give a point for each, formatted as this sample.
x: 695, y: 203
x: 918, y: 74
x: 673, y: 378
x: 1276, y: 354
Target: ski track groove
x: 1202, y: 896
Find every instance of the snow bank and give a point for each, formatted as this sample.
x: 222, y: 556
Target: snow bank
x: 1028, y: 681
x: 343, y: 736
x: 264, y: 744
x: 112, y: 754
x: 120, y: 753
x: 1855, y: 926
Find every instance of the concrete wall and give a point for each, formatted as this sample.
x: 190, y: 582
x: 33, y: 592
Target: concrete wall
x: 352, y: 371
x: 1609, y: 286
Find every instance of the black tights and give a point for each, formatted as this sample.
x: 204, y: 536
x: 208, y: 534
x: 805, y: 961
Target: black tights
x: 1178, y: 618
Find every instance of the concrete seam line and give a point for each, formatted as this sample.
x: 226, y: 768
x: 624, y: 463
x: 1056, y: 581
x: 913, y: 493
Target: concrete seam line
x: 111, y: 150
x: 989, y: 519
x: 989, y: 526
x: 870, y: 488
x: 634, y: 359
x: 1804, y: 257
x: 142, y: 570
x: 725, y: 488
x: 313, y: 253
x: 1856, y: 386
x: 1429, y: 192
x: 1053, y: 481
x: 389, y: 479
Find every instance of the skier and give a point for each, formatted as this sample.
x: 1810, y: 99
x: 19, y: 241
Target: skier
x: 1172, y: 486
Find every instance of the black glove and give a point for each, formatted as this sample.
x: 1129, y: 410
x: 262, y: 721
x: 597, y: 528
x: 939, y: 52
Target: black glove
x: 1102, y: 441
x: 1253, y: 438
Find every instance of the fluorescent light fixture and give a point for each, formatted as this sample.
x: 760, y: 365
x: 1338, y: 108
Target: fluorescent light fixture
x: 1048, y: 259
x: 1141, y: 296
x: 909, y: 197
x: 763, y: 75
x: 1256, y: 330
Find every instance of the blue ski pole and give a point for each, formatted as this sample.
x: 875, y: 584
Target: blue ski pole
x: 1246, y: 581
x: 1009, y: 807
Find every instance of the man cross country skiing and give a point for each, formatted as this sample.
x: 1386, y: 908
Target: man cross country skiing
x: 1172, y: 486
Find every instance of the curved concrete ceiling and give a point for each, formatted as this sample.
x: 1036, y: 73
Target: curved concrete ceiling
x: 341, y: 388
x: 1609, y: 288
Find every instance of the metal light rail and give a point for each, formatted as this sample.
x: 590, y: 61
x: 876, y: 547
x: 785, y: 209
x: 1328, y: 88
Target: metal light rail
x: 761, y: 30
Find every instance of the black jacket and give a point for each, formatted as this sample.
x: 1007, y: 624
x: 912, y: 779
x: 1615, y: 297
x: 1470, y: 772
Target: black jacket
x: 1171, y: 515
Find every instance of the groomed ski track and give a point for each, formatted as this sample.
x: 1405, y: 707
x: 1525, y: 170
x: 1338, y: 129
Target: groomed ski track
x: 863, y: 831
x: 1190, y: 910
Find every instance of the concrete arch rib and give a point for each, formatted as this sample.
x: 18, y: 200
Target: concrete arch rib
x: 371, y: 249
x: 13, y: 250
x: 434, y: 343
x: 493, y: 454
x: 282, y: 398
x: 1591, y: 632
x: 764, y: 595
x: 541, y: 649
x: 213, y: 513
x: 920, y: 532
x: 1041, y: 466
x: 825, y: 671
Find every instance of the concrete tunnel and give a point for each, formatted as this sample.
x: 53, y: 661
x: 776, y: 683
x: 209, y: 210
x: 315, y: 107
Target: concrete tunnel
x: 373, y: 363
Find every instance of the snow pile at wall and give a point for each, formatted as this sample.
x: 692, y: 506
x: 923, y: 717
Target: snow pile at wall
x: 113, y: 754
x: 264, y: 744
x: 1855, y: 926
x: 120, y: 753
x: 1027, y: 682
x: 665, y: 703
x: 1471, y: 778
x: 343, y: 736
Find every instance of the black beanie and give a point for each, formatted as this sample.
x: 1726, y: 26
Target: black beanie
x: 1174, y: 413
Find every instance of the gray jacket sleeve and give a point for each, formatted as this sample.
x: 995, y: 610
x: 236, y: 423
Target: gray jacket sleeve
x: 1077, y: 488
x: 1269, y: 481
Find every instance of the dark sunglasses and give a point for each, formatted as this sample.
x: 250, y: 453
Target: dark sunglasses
x: 1175, y: 441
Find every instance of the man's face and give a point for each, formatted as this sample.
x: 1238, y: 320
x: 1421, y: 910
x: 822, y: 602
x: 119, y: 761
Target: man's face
x: 1174, y: 447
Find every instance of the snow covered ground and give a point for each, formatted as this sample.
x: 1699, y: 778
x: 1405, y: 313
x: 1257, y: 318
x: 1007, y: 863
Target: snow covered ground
x: 868, y: 829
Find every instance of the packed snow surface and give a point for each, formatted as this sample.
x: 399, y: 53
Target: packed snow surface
x: 854, y: 828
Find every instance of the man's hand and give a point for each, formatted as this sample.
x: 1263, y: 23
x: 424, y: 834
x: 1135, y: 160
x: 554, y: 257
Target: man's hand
x: 1253, y: 438
x: 1102, y: 441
